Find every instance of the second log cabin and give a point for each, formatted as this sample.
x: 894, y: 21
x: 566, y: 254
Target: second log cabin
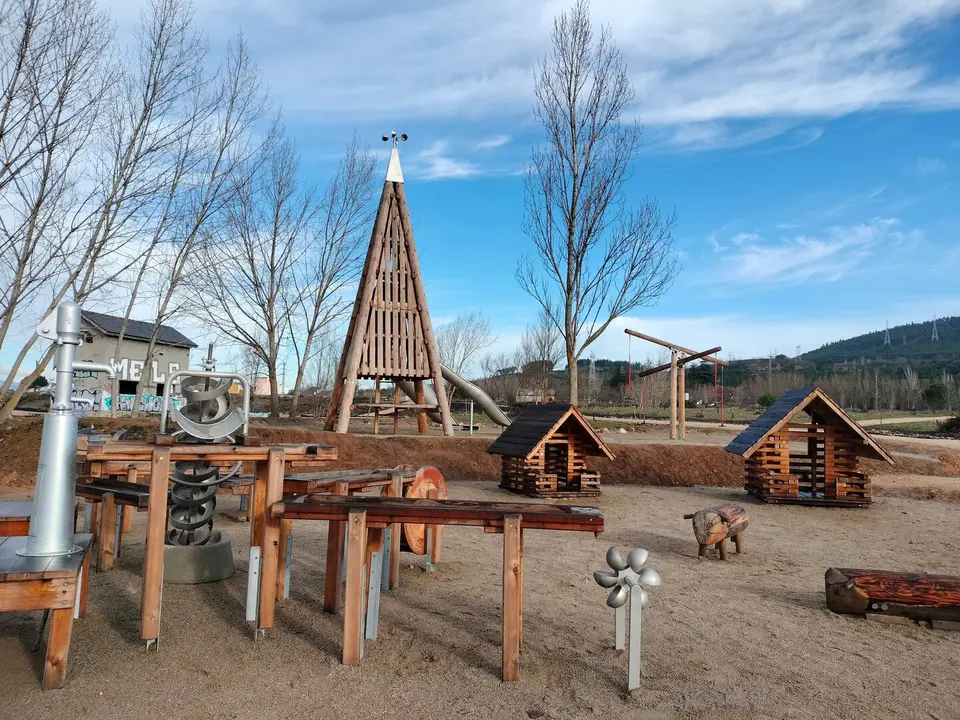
x: 545, y: 453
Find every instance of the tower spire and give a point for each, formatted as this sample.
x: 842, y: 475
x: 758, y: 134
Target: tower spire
x: 886, y: 336
x: 934, y: 337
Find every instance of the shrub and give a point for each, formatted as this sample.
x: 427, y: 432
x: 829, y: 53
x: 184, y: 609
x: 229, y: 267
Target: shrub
x: 951, y: 425
x: 766, y: 400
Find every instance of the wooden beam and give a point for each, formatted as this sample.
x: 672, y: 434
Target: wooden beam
x: 682, y: 399
x: 153, y: 553
x: 680, y: 362
x: 58, y: 648
x: 671, y: 346
x: 673, y: 395
x: 512, y: 597
x: 270, y: 541
x: 353, y: 603
x: 336, y: 534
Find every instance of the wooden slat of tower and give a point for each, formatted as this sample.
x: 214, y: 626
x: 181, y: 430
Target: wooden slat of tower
x: 390, y: 334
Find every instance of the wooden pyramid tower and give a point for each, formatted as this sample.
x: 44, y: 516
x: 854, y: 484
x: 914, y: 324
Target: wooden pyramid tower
x: 390, y: 336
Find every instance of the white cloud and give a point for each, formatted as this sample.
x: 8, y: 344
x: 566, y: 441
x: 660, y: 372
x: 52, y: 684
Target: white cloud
x: 435, y: 163
x: 749, y: 261
x: 493, y: 142
x: 696, y: 64
x: 926, y: 167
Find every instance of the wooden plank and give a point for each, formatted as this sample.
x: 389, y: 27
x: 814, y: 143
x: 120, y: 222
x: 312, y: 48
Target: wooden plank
x: 395, y: 490
x: 671, y: 346
x: 127, y: 512
x: 37, y: 594
x: 270, y: 540
x: 353, y: 602
x: 286, y: 530
x: 58, y: 648
x: 512, y: 597
x: 673, y: 395
x: 150, y: 598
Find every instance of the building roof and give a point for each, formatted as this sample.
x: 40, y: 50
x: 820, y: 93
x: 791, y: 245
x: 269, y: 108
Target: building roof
x: 811, y: 400
x: 526, y: 434
x: 110, y: 326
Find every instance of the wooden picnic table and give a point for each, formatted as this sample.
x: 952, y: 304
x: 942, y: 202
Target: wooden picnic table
x: 367, y: 517
x: 57, y: 583
x: 269, y: 463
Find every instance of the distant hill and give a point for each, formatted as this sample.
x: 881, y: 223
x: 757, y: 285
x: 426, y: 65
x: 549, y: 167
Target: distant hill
x: 907, y: 342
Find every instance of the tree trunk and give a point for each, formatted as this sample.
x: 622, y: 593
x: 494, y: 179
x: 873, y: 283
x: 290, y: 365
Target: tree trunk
x: 573, y: 378
x: 274, y: 394
x: 295, y: 399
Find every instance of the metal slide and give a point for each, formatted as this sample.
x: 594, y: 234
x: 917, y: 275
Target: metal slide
x: 471, y: 391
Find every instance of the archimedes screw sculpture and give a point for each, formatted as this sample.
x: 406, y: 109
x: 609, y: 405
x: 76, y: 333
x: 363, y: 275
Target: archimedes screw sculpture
x: 628, y: 581
x: 195, y: 552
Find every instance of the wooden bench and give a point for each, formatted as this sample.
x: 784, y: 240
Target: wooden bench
x: 367, y: 518
x: 107, y: 500
x: 56, y: 583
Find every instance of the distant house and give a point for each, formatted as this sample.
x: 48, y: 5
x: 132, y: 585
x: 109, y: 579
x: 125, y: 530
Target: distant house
x: 100, y: 333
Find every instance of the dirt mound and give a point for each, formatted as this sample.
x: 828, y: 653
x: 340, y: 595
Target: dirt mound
x: 460, y: 458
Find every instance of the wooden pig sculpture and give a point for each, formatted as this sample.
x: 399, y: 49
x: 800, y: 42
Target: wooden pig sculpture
x: 714, y: 525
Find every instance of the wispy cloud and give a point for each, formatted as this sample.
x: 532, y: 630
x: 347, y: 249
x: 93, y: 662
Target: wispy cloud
x: 750, y: 261
x: 493, y: 142
x: 436, y: 163
x: 926, y: 167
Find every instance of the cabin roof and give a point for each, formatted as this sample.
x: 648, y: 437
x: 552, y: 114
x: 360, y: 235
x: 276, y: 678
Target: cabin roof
x: 811, y: 400
x: 111, y: 325
x: 527, y: 433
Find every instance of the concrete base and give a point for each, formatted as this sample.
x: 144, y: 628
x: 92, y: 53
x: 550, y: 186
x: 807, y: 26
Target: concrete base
x: 195, y: 564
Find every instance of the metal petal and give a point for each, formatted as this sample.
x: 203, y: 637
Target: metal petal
x: 614, y: 560
x: 618, y: 597
x: 644, y: 599
x: 649, y: 576
x: 606, y: 578
x: 636, y: 558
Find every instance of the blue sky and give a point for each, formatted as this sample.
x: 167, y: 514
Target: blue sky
x: 811, y: 148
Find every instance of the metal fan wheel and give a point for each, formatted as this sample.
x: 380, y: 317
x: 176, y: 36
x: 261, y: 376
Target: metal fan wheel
x: 427, y: 479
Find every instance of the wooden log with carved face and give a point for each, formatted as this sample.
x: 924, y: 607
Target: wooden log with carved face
x: 716, y: 524
x: 913, y: 595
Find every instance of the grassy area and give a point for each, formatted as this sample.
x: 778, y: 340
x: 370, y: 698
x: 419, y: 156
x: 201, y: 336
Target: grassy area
x: 738, y: 414
x: 913, y: 428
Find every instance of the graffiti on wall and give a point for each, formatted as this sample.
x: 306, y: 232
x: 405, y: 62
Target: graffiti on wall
x: 132, y: 370
x: 96, y: 401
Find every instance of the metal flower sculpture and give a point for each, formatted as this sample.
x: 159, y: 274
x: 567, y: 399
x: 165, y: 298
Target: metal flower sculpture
x: 628, y: 580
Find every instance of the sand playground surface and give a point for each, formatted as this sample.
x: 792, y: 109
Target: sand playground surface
x: 747, y: 638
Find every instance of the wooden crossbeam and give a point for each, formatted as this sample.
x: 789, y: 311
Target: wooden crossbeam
x: 680, y: 362
x: 671, y: 346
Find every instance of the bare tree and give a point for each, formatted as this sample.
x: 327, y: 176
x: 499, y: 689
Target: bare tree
x: 541, y: 348
x: 333, y: 255
x: 459, y: 341
x: 219, y: 145
x: 595, y: 258
x: 499, y: 376
x: 245, y: 276
x: 55, y: 76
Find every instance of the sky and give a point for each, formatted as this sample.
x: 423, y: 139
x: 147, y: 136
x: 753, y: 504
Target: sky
x: 810, y: 148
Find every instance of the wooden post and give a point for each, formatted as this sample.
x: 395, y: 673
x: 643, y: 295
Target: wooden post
x: 128, y: 511
x: 153, y: 553
x: 353, y: 602
x: 376, y: 406
x: 673, y: 395
x: 429, y: 340
x: 58, y: 648
x: 420, y: 400
x: 738, y: 541
x: 396, y: 414
x: 108, y: 532
x: 270, y: 543
x: 350, y: 361
x: 286, y: 528
x: 682, y: 393
x: 395, y: 490
x: 512, y: 596
x: 332, y: 588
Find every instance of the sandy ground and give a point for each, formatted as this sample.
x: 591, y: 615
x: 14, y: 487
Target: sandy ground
x: 748, y: 638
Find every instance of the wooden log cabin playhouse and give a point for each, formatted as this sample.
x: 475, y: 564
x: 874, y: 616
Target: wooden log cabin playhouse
x: 807, y: 463
x: 545, y: 453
